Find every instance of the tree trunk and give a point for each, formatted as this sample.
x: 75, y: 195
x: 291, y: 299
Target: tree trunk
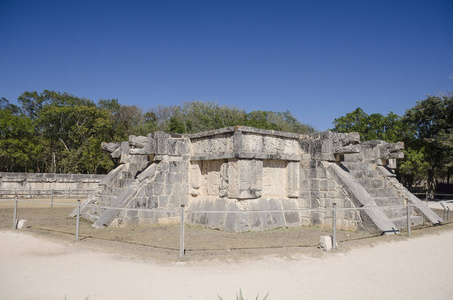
x: 431, y: 184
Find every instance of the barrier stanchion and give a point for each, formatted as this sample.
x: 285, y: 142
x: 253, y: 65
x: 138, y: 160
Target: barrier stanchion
x: 78, y: 221
x: 408, y: 220
x: 181, y: 233
x: 15, y: 214
x: 445, y: 209
x: 334, y: 227
x: 51, y: 199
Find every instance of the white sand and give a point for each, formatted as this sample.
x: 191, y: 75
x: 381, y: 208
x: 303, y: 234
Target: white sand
x: 419, y: 268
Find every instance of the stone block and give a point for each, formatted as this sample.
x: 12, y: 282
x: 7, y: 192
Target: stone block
x: 278, y: 219
x: 145, y: 214
x: 158, y: 188
x: 293, y: 179
x: 331, y: 185
x: 302, y: 203
x: 313, y: 174
x: 254, y: 215
x: 168, y: 189
x: 265, y: 216
x: 304, y: 221
x: 237, y: 221
x: 323, y: 185
x: 140, y: 201
x: 184, y: 189
x: 318, y: 195
x: 349, y: 214
x: 321, y: 173
x: 185, y: 177
x: 174, y: 166
x: 216, y: 220
x: 315, y: 203
x: 316, y: 218
x: 292, y: 218
x: 163, y: 201
x: 377, y: 184
x: 304, y: 194
x: 314, y: 185
x: 160, y: 177
x: 176, y: 189
x: 153, y: 202
x: 305, y: 185
x: 21, y: 224
x: 178, y: 178
x: 245, y: 178
x: 170, y: 178
x: 174, y: 201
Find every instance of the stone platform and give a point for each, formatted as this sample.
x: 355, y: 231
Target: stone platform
x: 246, y: 179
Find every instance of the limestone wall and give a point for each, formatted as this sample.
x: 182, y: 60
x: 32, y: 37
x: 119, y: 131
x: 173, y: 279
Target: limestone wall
x: 43, y: 183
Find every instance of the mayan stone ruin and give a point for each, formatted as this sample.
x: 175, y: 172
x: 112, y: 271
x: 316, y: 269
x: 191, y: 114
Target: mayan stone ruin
x: 254, y: 180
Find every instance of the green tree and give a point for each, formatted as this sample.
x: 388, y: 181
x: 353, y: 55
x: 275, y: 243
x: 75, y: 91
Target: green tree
x: 126, y: 119
x: 390, y: 128
x: 432, y: 120
x: 70, y: 129
x: 18, y: 144
x: 67, y: 128
x: 355, y: 121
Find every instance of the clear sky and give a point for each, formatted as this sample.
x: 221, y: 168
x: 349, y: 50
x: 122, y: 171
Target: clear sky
x: 318, y: 59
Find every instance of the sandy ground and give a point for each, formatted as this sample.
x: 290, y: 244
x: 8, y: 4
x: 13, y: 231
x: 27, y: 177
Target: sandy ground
x: 416, y: 268
x: 44, y: 262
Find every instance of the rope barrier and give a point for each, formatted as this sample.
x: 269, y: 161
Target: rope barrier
x: 221, y: 211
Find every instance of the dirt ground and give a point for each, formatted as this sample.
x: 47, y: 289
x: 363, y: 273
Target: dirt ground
x: 162, y: 242
x: 44, y: 262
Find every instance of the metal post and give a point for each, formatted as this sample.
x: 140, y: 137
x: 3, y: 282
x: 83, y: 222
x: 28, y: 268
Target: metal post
x: 29, y: 193
x: 15, y: 214
x: 51, y: 199
x: 408, y: 220
x: 448, y: 211
x: 78, y: 221
x: 334, y: 227
x: 181, y: 233
x: 426, y: 197
x: 445, y: 209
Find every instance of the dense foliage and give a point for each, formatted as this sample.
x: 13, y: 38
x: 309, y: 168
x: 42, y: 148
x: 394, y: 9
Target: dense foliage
x: 427, y: 131
x: 59, y: 132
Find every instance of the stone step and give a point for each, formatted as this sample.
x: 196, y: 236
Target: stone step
x: 127, y: 182
x: 360, y: 174
x: 395, y: 212
x: 401, y: 222
x: 122, y: 182
x: 373, y: 183
x: 382, y: 192
x: 358, y: 166
x: 96, y: 211
x: 389, y: 201
x: 116, y: 191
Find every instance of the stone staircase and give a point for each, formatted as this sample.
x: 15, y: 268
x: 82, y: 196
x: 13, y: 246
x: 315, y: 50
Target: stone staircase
x: 383, y: 193
x: 116, y: 190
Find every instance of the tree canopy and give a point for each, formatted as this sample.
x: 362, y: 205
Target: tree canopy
x: 58, y: 132
x: 426, y: 129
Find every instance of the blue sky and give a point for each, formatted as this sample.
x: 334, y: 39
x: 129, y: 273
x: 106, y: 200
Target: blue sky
x: 317, y: 59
